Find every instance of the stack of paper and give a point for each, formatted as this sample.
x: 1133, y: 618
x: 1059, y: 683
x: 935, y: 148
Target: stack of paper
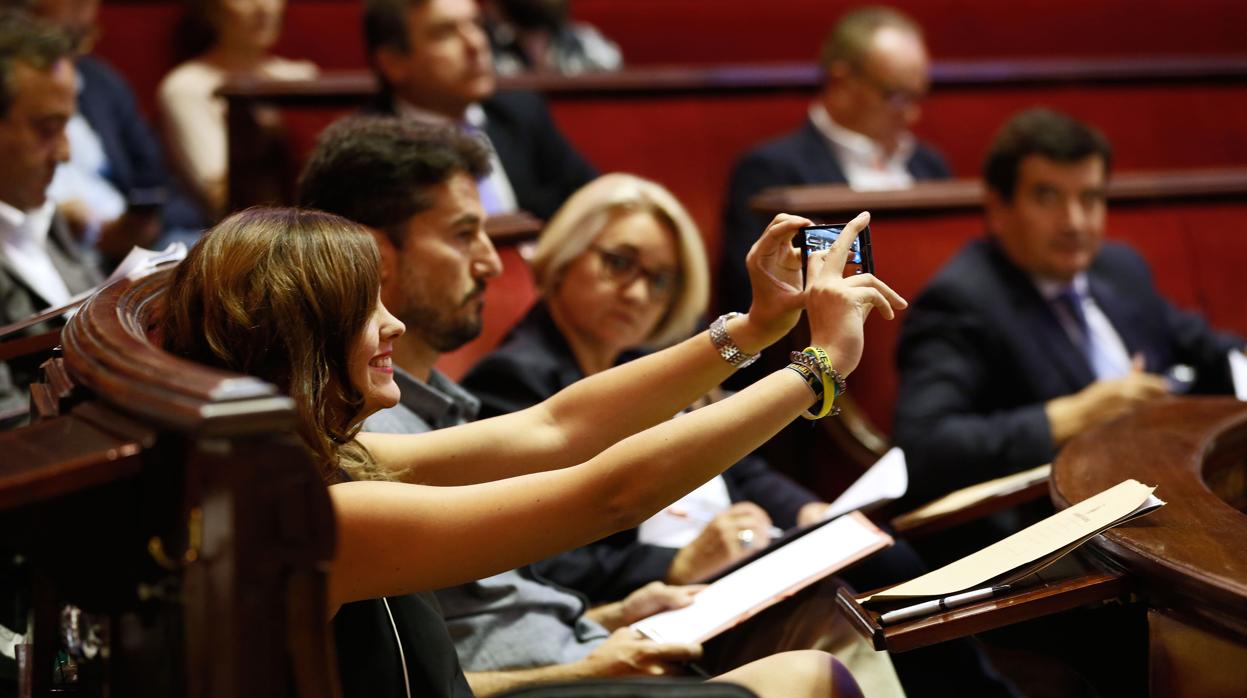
x: 768, y: 580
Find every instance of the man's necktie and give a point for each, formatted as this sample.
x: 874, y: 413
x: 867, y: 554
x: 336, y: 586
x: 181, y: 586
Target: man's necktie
x: 1087, y: 341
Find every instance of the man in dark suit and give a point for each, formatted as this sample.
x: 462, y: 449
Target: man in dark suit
x: 874, y: 77
x: 41, y: 265
x: 1042, y: 329
x: 433, y: 60
x: 115, y: 190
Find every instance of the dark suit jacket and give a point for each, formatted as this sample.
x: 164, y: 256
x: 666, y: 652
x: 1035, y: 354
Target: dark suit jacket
x: 981, y: 352
x: 136, y: 165
x: 801, y: 157
x: 19, y: 301
x: 543, y: 168
x: 535, y: 362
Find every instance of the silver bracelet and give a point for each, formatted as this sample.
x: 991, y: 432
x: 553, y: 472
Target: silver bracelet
x: 726, y: 347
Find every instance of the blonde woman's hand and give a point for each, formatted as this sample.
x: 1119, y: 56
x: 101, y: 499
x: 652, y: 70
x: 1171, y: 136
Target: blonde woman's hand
x: 838, y: 306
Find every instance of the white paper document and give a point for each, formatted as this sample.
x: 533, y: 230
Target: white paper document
x: 138, y: 263
x: 768, y: 580
x: 973, y: 494
x: 885, y: 481
x: 1034, y: 547
x: 1238, y: 373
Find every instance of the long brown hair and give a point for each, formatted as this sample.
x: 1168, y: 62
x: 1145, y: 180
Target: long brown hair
x: 282, y: 294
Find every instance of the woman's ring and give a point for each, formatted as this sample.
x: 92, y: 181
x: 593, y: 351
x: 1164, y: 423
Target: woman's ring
x: 745, y: 536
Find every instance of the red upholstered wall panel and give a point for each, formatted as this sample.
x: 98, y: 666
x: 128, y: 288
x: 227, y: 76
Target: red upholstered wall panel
x: 690, y: 142
x: 725, y: 31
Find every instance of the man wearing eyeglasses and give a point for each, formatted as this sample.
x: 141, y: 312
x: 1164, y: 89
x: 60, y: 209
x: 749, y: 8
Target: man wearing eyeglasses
x: 875, y: 69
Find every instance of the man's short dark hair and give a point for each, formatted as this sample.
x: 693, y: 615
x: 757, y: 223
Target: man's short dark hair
x: 376, y: 170
x: 849, y: 41
x: 385, y: 24
x: 1043, y: 132
x: 24, y: 39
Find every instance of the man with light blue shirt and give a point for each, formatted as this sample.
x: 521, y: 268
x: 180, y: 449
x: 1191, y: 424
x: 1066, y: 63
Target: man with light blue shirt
x: 1041, y: 330
x: 433, y: 61
x: 415, y: 186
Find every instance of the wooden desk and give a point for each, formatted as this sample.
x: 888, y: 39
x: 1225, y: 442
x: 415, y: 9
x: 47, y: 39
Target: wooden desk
x: 1188, y: 561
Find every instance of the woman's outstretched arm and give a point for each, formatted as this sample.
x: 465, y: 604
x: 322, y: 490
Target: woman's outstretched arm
x: 398, y: 538
x: 583, y: 419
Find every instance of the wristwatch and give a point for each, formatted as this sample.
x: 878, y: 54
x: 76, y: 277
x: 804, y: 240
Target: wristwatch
x: 727, y: 348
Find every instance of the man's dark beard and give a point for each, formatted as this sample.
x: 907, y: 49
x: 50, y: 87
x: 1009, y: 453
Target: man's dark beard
x: 445, y: 332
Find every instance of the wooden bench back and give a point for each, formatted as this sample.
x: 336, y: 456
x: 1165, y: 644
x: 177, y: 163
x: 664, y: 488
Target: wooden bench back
x: 173, y: 504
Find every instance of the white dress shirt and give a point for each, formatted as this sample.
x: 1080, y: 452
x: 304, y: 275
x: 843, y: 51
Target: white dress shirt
x: 1113, y: 360
x: 24, y: 248
x: 82, y: 178
x: 864, y: 162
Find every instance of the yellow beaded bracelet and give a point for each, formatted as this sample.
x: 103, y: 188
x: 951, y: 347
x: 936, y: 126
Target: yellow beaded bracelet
x: 832, y: 383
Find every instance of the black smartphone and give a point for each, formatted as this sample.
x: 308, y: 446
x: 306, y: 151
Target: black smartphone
x: 813, y: 238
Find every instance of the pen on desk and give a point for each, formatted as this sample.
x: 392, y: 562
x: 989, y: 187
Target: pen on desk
x: 772, y: 532
x: 944, y: 604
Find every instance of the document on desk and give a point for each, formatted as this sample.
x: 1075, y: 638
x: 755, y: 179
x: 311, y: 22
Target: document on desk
x: 976, y: 493
x: 884, y: 482
x: 768, y: 580
x: 1032, y: 548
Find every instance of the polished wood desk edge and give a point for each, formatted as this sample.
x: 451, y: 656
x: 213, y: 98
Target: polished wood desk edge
x: 348, y: 87
x: 1028, y: 603
x: 966, y: 194
x: 107, y: 351
x: 917, y: 527
x: 1220, y: 602
x: 513, y: 228
x: 31, y: 344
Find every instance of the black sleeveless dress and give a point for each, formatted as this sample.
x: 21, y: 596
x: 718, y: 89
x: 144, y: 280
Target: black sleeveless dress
x: 371, y: 658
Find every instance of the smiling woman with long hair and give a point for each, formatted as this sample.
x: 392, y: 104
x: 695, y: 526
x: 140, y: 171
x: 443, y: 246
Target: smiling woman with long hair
x: 292, y: 297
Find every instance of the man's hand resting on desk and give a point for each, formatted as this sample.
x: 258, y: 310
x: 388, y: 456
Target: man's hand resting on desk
x: 730, y: 535
x: 1103, y: 400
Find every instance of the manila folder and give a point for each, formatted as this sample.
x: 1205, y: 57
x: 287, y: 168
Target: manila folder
x: 1032, y: 548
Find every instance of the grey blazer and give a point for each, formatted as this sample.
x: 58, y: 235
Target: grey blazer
x: 18, y: 300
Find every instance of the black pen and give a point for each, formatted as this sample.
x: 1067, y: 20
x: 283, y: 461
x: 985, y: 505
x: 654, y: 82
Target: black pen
x: 944, y: 604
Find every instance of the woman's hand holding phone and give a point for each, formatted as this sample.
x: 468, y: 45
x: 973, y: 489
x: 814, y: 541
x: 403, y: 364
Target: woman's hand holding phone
x: 775, y: 275
x: 838, y: 305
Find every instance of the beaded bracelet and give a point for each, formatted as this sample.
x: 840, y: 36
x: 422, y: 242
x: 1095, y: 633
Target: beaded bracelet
x: 817, y: 361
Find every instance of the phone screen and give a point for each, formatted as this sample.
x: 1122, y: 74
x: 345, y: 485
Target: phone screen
x: 820, y: 237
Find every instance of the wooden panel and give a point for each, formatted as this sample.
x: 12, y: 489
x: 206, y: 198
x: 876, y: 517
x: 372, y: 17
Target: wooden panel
x: 1189, y: 661
x: 57, y: 457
